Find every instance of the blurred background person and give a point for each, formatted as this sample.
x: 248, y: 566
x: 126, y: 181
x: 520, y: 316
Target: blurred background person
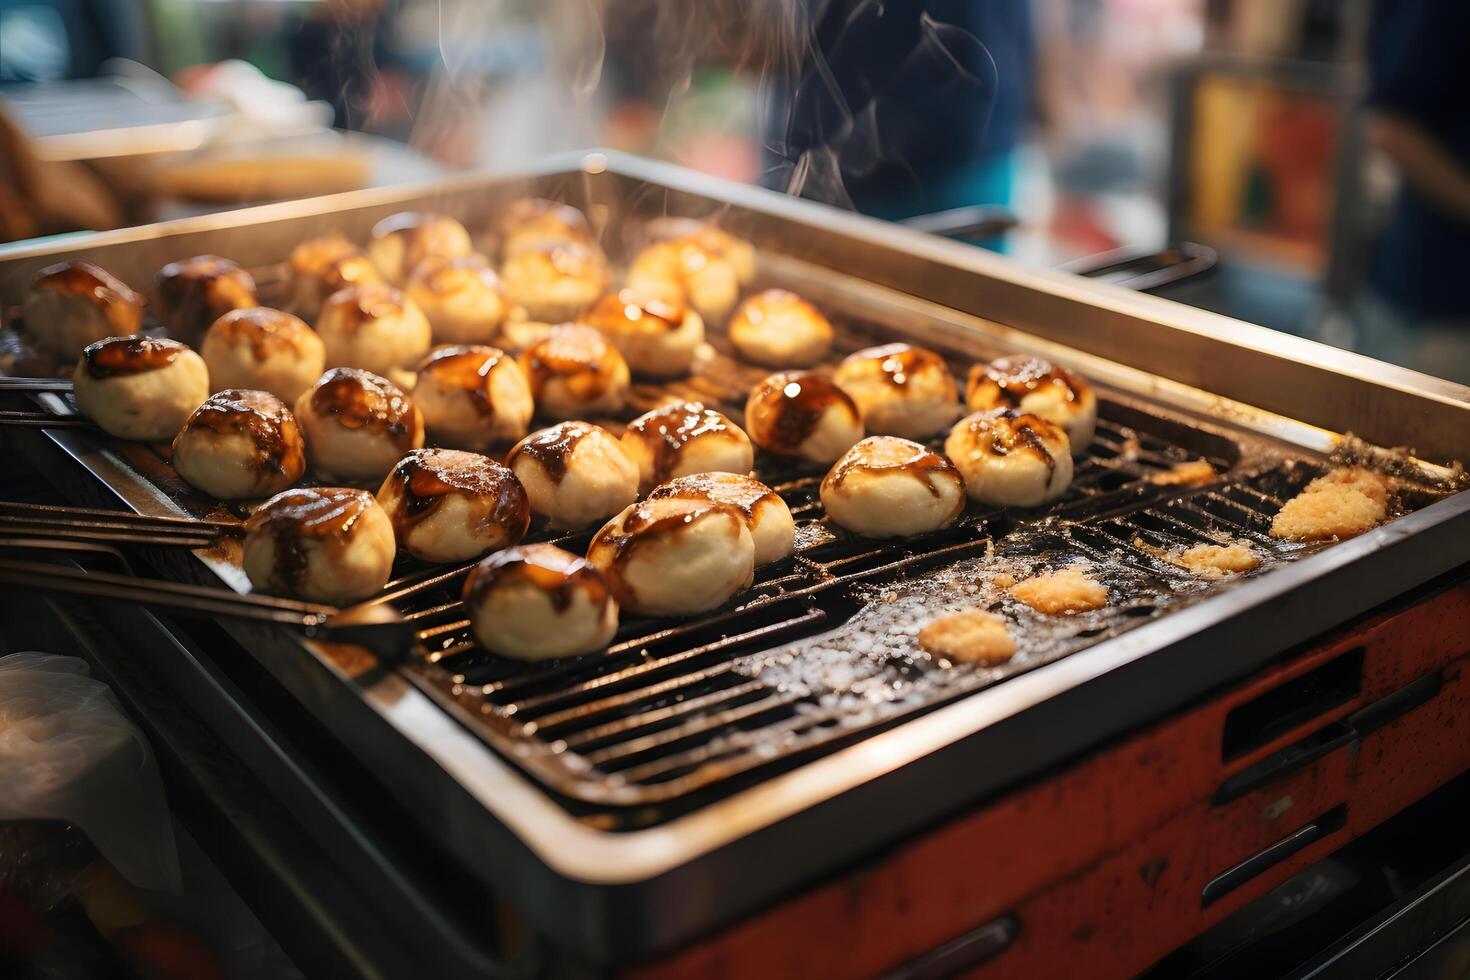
x: 1418, y: 312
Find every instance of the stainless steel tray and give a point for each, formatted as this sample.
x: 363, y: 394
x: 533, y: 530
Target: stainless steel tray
x: 614, y: 893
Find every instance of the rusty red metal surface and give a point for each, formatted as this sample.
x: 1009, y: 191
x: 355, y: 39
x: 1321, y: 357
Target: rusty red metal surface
x: 1106, y: 862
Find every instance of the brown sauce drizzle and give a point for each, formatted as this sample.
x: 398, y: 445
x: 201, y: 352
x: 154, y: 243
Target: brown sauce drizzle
x: 899, y: 362
x: 427, y: 476
x: 744, y: 493
x: 1018, y: 376
x: 666, y: 431
x: 86, y: 279
x: 466, y: 368
x: 130, y: 355
x: 296, y: 516
x: 358, y: 304
x: 261, y: 417
x: 194, y: 292
x: 557, y: 573
x: 267, y: 331
x: 552, y: 447
x: 1014, y: 432
x: 626, y: 309
x: 922, y: 464
x: 576, y: 354
x: 359, y: 399
x: 787, y: 408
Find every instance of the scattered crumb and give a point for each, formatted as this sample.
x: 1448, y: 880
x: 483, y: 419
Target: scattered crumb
x: 1068, y: 590
x: 973, y: 636
x: 1211, y: 562
x: 1343, y: 504
x: 1195, y: 473
x: 1003, y: 580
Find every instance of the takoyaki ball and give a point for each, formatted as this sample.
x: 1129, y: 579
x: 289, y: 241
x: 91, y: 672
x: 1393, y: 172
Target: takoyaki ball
x: 574, y: 373
x: 322, y: 266
x: 802, y: 415
x: 886, y: 487
x: 657, y: 339
x: 736, y: 251
x: 518, y: 334
x: 772, y: 530
x: 73, y: 304
x: 537, y: 602
x: 675, y: 556
x: 684, y: 272
x: 900, y: 390
x: 682, y: 438
x: 141, y: 388
x: 263, y: 349
x: 575, y: 473
x: 324, y: 544
x: 461, y: 298
x: 533, y: 223
x: 375, y: 328
x: 357, y: 425
x: 194, y: 293
x: 240, y: 445
x: 1009, y: 459
x: 400, y: 242
x: 447, y: 505
x: 780, y: 329
x: 472, y: 397
x: 554, y: 283
x: 1033, y: 386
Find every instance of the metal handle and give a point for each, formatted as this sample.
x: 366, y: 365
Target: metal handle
x: 1150, y: 271
x: 974, y: 221
x: 1232, y: 878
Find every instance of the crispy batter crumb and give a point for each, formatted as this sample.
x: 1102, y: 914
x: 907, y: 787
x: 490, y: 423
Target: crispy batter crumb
x: 1003, y: 580
x: 1194, y: 473
x: 1211, y: 562
x: 1342, y: 504
x: 973, y: 636
x: 1068, y: 590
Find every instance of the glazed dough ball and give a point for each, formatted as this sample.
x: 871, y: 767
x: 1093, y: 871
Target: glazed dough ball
x: 518, y: 334
x: 780, y: 329
x: 472, y: 397
x: 325, y: 544
x: 1009, y: 459
x: 772, y: 531
x: 240, y: 445
x: 683, y: 438
x: 460, y: 297
x: 447, y: 505
x: 675, y: 556
x: 804, y: 415
x: 141, y: 388
x: 736, y: 251
x: 400, y: 242
x: 575, y: 372
x: 1036, y: 387
x: 375, y: 328
x: 900, y: 390
x: 655, y: 338
x: 357, y: 425
x: 685, y: 273
x: 555, y: 283
x: 264, y: 349
x: 536, y: 602
x: 73, y: 304
x: 885, y: 487
x: 194, y: 293
x: 534, y: 223
x: 321, y: 266
x: 575, y: 473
